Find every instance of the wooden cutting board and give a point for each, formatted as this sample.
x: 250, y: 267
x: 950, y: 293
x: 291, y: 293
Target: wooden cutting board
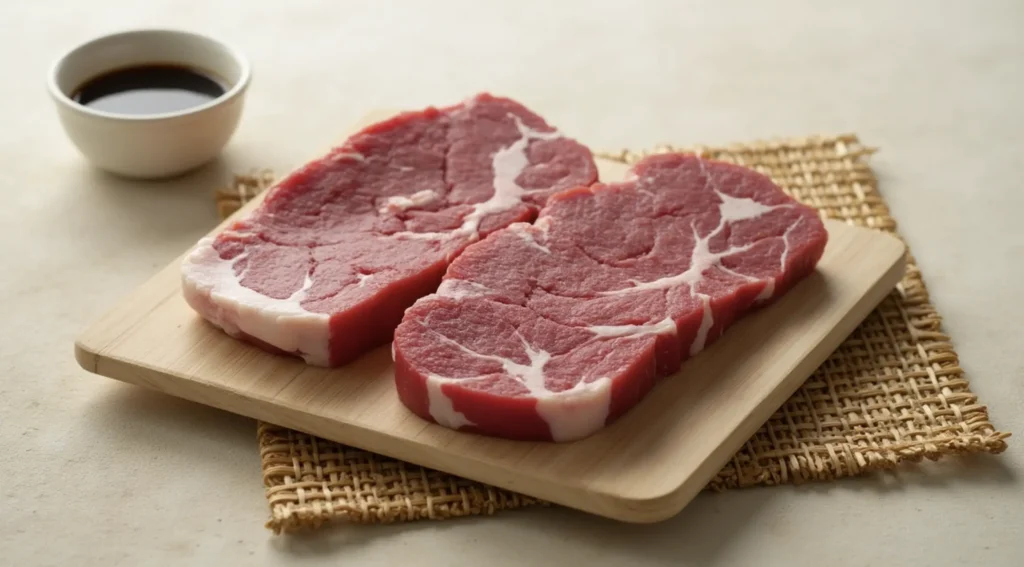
x: 644, y: 468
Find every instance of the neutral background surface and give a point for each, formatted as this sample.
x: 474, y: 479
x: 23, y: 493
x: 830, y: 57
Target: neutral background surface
x: 93, y: 472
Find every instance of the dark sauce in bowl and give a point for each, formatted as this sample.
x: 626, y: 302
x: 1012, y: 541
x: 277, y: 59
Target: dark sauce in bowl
x: 149, y: 89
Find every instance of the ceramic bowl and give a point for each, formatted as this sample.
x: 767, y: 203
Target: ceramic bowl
x: 150, y: 145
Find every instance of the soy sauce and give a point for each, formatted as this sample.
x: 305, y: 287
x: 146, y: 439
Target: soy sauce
x: 149, y: 89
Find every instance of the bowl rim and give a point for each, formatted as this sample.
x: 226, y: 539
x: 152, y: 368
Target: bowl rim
x: 236, y: 90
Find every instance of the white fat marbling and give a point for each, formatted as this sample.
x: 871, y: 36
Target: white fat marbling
x: 706, y: 321
x: 730, y: 209
x: 300, y: 294
x: 769, y: 288
x: 785, y: 243
x: 507, y: 164
x: 461, y: 289
x: 577, y: 412
x: 440, y: 405
x: 570, y: 414
x: 733, y: 209
x: 522, y: 230
x: 543, y: 224
x: 529, y: 375
x: 663, y: 327
x: 212, y: 288
x: 401, y: 203
x: 767, y: 292
x: 701, y: 259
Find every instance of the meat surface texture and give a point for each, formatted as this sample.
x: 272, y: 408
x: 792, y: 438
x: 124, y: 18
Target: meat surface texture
x: 552, y: 330
x: 325, y: 267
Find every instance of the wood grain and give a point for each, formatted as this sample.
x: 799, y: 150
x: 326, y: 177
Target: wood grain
x: 644, y: 468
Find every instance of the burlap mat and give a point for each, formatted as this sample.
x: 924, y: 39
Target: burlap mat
x: 892, y: 393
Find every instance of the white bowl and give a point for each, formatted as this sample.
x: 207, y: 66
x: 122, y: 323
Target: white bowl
x: 156, y: 145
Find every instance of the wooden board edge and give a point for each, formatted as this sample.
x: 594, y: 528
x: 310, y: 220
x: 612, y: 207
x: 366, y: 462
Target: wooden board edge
x: 86, y: 356
x: 658, y: 507
x: 384, y: 444
x: 649, y: 508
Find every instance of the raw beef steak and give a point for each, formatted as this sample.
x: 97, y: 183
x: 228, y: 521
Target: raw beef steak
x: 551, y: 331
x: 327, y: 264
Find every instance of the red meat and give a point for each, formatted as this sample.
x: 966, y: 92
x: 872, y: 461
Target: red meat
x: 325, y: 267
x: 552, y: 330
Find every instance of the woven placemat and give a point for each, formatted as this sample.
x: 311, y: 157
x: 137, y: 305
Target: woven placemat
x: 893, y: 392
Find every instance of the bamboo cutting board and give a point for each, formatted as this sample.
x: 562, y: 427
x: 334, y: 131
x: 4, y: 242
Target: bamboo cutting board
x: 645, y: 467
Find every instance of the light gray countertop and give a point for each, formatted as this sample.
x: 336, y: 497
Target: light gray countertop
x: 94, y: 472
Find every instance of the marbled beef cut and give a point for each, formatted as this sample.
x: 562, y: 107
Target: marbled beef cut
x: 552, y: 330
x: 325, y: 267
